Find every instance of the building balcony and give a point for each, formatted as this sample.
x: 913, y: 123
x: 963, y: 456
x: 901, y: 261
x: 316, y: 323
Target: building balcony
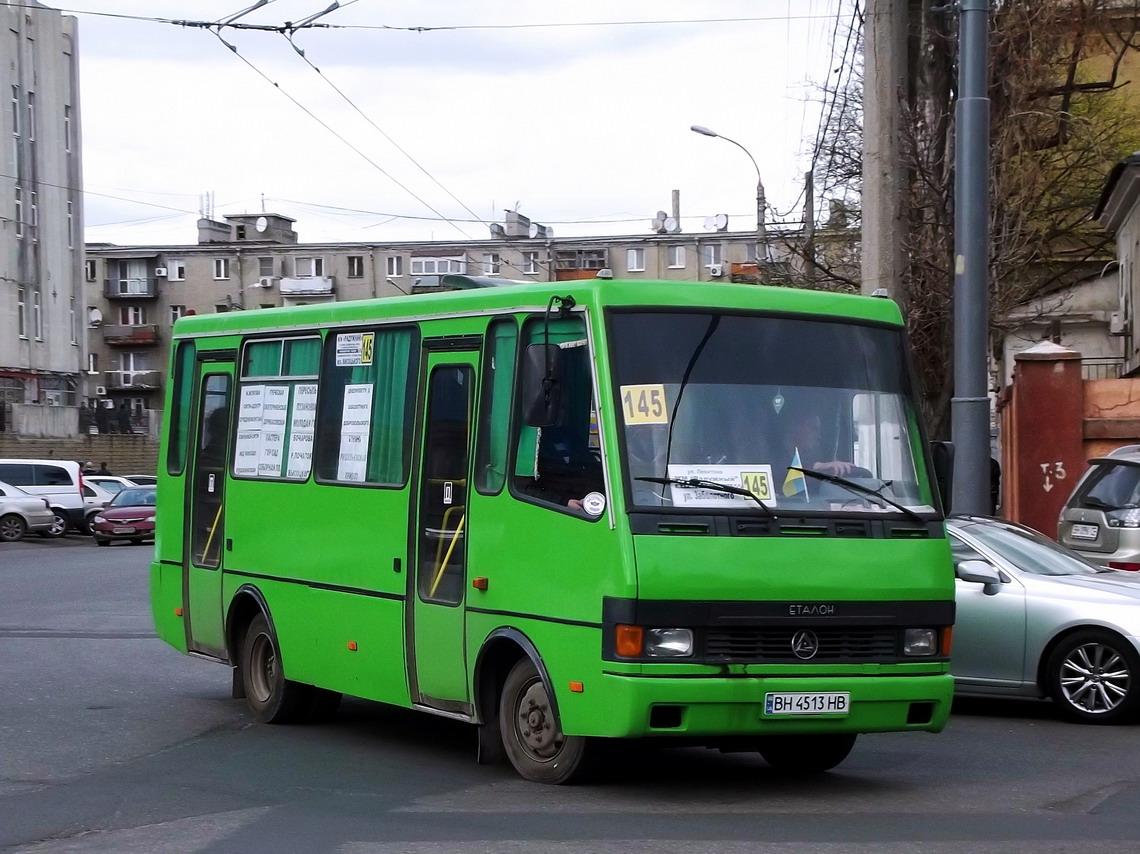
x: 130, y: 288
x: 131, y: 336
x: 306, y: 286
x: 133, y: 380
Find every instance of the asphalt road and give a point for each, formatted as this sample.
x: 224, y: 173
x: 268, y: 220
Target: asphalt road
x: 110, y: 741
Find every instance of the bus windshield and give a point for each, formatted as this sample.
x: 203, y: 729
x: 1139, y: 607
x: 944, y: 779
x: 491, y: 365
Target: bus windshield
x: 804, y: 414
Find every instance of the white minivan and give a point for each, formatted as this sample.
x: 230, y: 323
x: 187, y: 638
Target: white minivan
x: 59, y: 481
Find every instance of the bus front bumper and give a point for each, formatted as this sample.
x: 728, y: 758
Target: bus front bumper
x: 635, y: 706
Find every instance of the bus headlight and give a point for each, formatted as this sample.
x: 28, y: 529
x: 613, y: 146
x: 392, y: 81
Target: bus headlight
x: 920, y: 642
x: 668, y: 643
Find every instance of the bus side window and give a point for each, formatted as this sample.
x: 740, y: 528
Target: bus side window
x: 561, y: 464
x: 495, y: 407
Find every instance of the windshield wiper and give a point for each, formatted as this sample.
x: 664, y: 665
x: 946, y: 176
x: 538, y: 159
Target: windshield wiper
x: 858, y: 487
x: 712, y: 486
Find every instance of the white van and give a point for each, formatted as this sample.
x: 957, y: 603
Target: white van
x: 59, y: 481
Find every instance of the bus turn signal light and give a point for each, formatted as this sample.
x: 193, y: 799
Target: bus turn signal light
x: 628, y: 641
x: 479, y: 583
x: 947, y: 641
x: 352, y: 646
x: 577, y: 687
x: 178, y: 612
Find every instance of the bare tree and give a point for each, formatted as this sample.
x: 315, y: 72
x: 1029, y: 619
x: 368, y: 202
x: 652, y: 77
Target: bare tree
x: 1060, y: 116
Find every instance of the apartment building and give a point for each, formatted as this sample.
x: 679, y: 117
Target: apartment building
x: 41, y: 244
x: 250, y: 261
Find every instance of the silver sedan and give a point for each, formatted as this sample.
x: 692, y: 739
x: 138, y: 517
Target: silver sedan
x: 22, y: 513
x: 1034, y: 619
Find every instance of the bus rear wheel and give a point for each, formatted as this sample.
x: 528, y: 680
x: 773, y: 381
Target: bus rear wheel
x: 272, y: 698
x: 532, y: 736
x: 806, y: 754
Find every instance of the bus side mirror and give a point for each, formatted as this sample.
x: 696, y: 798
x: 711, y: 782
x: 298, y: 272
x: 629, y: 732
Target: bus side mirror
x: 942, y: 455
x: 542, y: 385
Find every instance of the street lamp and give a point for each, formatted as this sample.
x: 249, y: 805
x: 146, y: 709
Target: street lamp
x: 761, y: 236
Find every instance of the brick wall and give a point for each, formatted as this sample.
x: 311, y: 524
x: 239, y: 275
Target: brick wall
x: 123, y: 454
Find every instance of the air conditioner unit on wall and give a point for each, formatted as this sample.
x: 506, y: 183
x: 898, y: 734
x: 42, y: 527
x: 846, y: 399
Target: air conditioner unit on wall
x: 267, y: 281
x: 101, y: 390
x: 1117, y: 324
x: 716, y: 270
x: 159, y: 272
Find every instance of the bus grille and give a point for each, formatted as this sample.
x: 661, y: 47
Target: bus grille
x: 839, y: 644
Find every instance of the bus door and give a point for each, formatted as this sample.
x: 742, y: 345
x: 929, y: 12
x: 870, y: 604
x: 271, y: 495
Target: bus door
x: 205, y: 538
x: 437, y: 656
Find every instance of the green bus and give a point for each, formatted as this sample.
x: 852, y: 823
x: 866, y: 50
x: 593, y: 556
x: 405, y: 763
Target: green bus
x: 564, y: 512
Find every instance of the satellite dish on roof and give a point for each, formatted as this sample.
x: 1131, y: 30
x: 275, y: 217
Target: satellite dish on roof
x: 534, y: 231
x: 672, y: 226
x: 261, y: 224
x: 94, y: 317
x: 721, y: 221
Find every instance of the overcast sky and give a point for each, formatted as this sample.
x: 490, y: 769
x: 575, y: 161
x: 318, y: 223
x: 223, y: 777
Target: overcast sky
x: 583, y: 125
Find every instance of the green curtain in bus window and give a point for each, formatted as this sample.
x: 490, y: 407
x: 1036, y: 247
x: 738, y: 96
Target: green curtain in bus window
x: 262, y: 359
x: 390, y: 371
x: 561, y: 331
x: 180, y: 407
x: 302, y: 357
x: 495, y: 417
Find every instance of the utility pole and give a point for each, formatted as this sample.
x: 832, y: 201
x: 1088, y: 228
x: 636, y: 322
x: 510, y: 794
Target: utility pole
x: 970, y: 406
x: 885, y: 82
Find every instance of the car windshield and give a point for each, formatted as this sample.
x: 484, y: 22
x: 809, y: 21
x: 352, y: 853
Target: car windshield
x: 13, y: 491
x: 135, y: 497
x: 748, y: 400
x: 142, y: 479
x: 1026, y: 549
x: 111, y: 486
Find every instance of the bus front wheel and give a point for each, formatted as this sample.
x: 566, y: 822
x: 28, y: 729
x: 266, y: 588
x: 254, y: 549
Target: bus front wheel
x: 532, y: 736
x: 272, y: 698
x: 806, y: 754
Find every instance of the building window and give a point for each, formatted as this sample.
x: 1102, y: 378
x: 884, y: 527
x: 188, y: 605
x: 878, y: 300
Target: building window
x: 177, y: 311
x: 308, y: 268
x: 635, y: 260
x: 32, y: 116
x: 530, y: 262
x: 22, y: 311
x: 92, y: 363
x: 175, y: 270
x: 221, y: 268
x: 92, y: 269
x: 67, y: 128
x: 16, y: 111
x: 395, y: 265
x: 132, y: 315
x: 135, y: 370
x: 356, y: 266
x: 438, y: 266
x: 265, y: 266
x: 676, y: 257
x: 580, y: 259
x: 19, y: 212
x: 70, y: 225
x: 712, y: 254
x: 491, y: 264
x: 239, y: 232
x: 74, y: 322
x: 38, y: 315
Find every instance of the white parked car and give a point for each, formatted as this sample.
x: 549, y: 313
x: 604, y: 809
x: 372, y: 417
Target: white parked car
x: 95, y: 498
x: 22, y: 513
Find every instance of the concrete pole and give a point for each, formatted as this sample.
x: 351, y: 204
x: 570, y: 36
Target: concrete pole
x: 884, y: 83
x: 970, y: 406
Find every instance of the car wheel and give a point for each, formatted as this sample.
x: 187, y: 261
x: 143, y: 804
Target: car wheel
x: 59, y: 525
x: 532, y: 736
x: 1094, y: 677
x: 272, y: 698
x: 12, y: 528
x: 806, y: 754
